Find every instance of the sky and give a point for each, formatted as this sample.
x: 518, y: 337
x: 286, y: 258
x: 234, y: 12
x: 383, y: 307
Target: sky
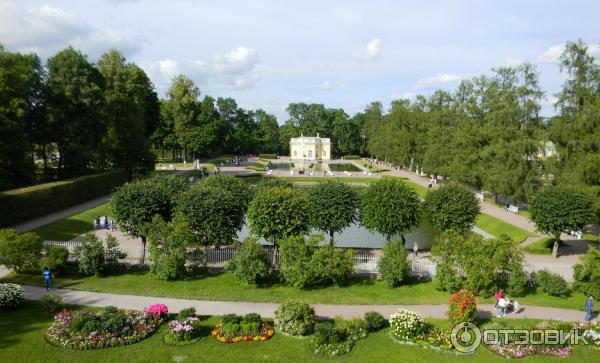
x: 344, y: 54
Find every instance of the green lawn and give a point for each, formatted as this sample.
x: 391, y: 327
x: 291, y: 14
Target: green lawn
x: 540, y: 247
x: 496, y: 227
x: 22, y: 340
x: 225, y: 287
x: 70, y: 227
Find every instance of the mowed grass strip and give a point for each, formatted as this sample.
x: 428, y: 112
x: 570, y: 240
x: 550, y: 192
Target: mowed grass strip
x: 496, y: 227
x: 72, y: 226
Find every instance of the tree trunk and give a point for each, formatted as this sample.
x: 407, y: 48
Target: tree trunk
x: 555, y: 247
x: 143, y: 260
x: 403, y: 239
x: 331, y: 233
x: 206, y: 257
x: 388, y: 237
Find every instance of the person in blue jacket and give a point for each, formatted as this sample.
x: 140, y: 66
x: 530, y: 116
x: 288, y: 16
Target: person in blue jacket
x: 48, y: 278
x: 588, y: 307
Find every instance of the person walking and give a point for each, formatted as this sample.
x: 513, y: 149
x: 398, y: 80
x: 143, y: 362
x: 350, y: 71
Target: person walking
x: 502, y: 304
x: 48, y: 279
x: 498, y: 295
x: 588, y: 307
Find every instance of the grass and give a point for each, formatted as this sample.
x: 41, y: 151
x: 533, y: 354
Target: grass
x: 22, y: 331
x: 225, y: 287
x: 496, y: 227
x: 72, y: 226
x: 540, y: 247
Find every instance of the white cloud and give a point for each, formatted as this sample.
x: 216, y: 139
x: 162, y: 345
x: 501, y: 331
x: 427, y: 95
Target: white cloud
x: 234, y: 70
x: 511, y: 61
x: 47, y: 30
x: 372, y: 50
x: 551, y: 54
x: 324, y: 86
x: 439, y: 80
x: 549, y: 101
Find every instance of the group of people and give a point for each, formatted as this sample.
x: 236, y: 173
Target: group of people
x: 504, y: 305
x: 104, y: 223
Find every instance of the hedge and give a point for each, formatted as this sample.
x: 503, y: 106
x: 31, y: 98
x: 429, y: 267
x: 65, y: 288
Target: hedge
x: 20, y: 205
x: 268, y: 156
x: 351, y: 157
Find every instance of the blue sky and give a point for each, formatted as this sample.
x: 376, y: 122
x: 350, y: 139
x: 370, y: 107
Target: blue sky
x: 346, y: 54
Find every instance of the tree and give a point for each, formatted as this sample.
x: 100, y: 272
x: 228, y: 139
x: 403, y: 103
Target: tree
x: 135, y: 204
x: 20, y: 252
x: 182, y: 99
x: 168, y: 247
x: 237, y: 187
x: 390, y: 207
x: 277, y: 213
x: 90, y: 254
x: 587, y: 274
x: 76, y: 111
x: 213, y: 214
x: 452, y: 206
x: 333, y: 206
x: 21, y: 99
x: 556, y: 210
x: 267, y: 132
x: 128, y: 93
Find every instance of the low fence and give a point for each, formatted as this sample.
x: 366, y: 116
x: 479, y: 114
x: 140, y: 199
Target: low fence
x: 364, y: 262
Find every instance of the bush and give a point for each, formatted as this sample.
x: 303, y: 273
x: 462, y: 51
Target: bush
x: 252, y: 318
x: 338, y: 337
x: 406, y: 325
x: 186, y: 313
x: 551, y: 283
x: 374, y: 321
x: 303, y: 263
x: 250, y: 263
x: 11, y: 296
x: 517, y: 283
x: 351, y: 157
x: 182, y: 330
x: 51, y: 303
x: 393, y: 267
x: 160, y: 310
x: 295, y: 318
x: 587, y: 274
x: 168, y: 247
x: 462, y: 307
x: 19, y: 252
x: 112, y: 253
x: 90, y: 254
x: 267, y: 156
x: 231, y: 319
x: 452, y: 206
x: 23, y: 204
x: 56, y: 258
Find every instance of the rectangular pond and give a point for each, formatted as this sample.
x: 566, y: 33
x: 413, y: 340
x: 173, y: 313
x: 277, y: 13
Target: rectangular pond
x: 318, y: 167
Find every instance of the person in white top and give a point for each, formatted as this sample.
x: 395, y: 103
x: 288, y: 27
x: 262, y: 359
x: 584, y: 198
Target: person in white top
x: 502, y: 304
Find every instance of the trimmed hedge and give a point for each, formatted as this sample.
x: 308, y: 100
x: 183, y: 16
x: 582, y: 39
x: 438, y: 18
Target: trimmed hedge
x: 351, y: 157
x: 268, y: 156
x: 20, y: 205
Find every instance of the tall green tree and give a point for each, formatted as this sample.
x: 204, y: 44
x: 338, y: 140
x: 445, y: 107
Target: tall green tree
x: 76, y: 111
x: 267, y: 132
x: 390, y: 207
x: 333, y: 206
x: 452, y: 207
x: 184, y: 108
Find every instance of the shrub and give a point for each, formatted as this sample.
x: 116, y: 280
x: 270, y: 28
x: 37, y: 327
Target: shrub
x: 462, y: 307
x: 250, y: 263
x: 587, y: 274
x: 393, y: 267
x: 295, y: 318
x: 90, y: 254
x: 551, y: 283
x: 452, y: 206
x: 331, y: 265
x: 56, y: 258
x: 186, y: 313
x: 112, y: 253
x: 168, y: 247
x: 338, y: 337
x: 23, y: 204
x: 160, y: 310
x: 11, y: 296
x: 51, y: 303
x: 374, y: 321
x: 252, y: 318
x: 231, y: 319
x: 406, y: 325
x: 268, y: 156
x: 517, y: 283
x: 182, y: 330
x: 19, y: 252
x: 351, y: 157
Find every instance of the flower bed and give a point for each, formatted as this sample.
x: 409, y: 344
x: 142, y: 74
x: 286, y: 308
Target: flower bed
x: 337, y: 337
x: 111, y: 328
x: 408, y: 328
x: 184, y: 329
x: 593, y: 333
x: 235, y: 329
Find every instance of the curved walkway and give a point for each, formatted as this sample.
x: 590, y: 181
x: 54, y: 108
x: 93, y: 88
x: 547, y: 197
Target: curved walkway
x: 205, y: 307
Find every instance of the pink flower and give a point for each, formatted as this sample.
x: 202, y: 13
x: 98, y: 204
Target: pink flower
x: 157, y: 309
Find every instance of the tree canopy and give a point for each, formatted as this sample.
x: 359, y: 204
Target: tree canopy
x: 452, y: 207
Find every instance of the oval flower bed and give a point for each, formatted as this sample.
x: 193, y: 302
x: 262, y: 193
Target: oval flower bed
x: 234, y: 329
x: 111, y: 328
x: 184, y: 329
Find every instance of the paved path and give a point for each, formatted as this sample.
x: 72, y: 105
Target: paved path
x: 3, y: 271
x: 267, y: 309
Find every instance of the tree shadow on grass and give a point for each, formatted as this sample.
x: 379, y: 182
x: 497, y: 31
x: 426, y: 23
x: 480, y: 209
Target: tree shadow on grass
x: 16, y: 325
